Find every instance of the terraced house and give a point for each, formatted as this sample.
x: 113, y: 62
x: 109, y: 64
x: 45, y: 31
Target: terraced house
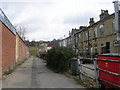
x: 97, y: 38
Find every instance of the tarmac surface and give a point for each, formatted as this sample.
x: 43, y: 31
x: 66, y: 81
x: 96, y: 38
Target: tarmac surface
x: 34, y: 74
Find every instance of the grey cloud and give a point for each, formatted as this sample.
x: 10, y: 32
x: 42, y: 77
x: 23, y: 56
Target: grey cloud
x: 79, y: 18
x: 49, y: 17
x: 12, y: 10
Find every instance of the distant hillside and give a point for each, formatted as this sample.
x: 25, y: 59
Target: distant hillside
x: 32, y: 50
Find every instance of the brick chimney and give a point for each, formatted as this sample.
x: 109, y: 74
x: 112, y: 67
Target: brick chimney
x: 104, y: 14
x: 91, y: 21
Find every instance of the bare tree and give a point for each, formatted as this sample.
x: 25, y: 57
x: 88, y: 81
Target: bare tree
x: 21, y: 30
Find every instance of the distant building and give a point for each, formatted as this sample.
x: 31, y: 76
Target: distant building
x: 49, y: 47
x: 42, y: 47
x: 63, y: 42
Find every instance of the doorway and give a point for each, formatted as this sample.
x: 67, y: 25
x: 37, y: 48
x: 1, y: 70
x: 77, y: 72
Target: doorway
x: 107, y: 47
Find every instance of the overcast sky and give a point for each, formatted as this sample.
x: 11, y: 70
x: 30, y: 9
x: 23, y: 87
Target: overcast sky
x: 49, y: 19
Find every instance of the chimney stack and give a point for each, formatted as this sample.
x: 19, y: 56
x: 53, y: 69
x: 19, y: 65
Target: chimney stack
x: 82, y: 27
x: 91, y: 21
x: 104, y: 14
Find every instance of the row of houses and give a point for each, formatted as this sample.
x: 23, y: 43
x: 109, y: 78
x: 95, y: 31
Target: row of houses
x: 97, y: 38
x: 12, y: 46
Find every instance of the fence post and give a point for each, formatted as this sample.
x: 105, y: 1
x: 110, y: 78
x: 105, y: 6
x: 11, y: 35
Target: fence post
x: 80, y: 75
x: 96, y: 73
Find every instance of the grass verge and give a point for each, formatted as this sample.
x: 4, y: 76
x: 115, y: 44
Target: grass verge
x: 33, y: 51
x: 86, y: 81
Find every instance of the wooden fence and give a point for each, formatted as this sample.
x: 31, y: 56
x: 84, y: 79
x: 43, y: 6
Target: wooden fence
x: 95, y: 70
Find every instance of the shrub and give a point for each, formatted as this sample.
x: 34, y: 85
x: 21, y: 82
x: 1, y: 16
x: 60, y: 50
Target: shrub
x: 58, y: 58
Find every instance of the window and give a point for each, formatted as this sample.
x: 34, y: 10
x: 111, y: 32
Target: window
x: 113, y: 25
x: 87, y: 50
x: 102, y: 45
x: 86, y: 35
x: 95, y: 32
x: 64, y: 43
x: 116, y: 43
x: 89, y: 33
x: 77, y: 38
x: 95, y: 52
x: 95, y: 45
x: 69, y: 42
x: 101, y: 30
x: 72, y: 40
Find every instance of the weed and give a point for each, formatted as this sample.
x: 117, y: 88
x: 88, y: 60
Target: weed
x: 86, y: 81
x: 10, y: 70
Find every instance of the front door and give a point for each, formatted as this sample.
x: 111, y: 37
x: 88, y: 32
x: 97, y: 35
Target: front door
x: 107, y: 47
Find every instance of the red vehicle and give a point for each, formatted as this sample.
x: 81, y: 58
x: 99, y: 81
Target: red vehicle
x: 109, y: 70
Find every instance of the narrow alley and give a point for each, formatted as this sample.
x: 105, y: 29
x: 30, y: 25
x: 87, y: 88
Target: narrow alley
x: 34, y: 74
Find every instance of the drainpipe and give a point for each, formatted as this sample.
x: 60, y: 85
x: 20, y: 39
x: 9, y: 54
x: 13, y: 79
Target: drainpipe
x: 88, y: 44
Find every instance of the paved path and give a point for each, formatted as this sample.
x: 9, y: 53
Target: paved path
x: 34, y: 74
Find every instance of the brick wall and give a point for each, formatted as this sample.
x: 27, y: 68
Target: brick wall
x: 17, y: 47
x: 8, y: 48
x: 12, y: 47
x: 23, y: 50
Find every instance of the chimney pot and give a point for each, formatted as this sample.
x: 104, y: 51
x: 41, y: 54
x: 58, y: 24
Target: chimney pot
x: 91, y: 21
x: 104, y: 14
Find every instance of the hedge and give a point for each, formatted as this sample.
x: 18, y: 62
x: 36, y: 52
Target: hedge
x: 58, y: 58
